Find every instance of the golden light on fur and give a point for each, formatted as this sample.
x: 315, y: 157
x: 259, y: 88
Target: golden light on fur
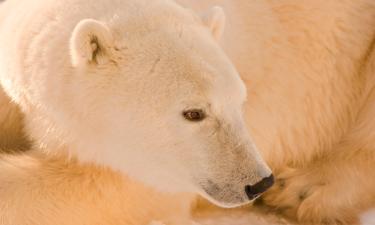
x: 308, y: 67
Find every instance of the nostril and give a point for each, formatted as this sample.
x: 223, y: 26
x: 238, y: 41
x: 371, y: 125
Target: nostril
x: 255, y: 190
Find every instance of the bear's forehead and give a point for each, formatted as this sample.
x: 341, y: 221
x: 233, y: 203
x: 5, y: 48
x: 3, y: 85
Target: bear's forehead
x: 190, y: 64
x: 146, y: 16
x: 172, y: 43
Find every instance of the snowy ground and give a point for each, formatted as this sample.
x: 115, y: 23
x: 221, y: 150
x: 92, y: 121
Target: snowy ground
x: 236, y: 217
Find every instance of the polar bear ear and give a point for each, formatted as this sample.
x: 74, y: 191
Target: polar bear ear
x: 91, y: 43
x: 215, y: 19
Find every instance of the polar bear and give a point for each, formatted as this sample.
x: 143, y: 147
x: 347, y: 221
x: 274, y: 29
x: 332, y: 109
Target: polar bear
x: 142, y: 87
x: 309, y: 68
x: 42, y: 189
x: 12, y: 133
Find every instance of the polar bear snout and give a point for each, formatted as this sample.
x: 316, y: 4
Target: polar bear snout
x: 254, y: 191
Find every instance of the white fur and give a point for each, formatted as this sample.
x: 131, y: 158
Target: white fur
x: 42, y: 190
x: 309, y: 71
x: 108, y: 81
x: 308, y: 68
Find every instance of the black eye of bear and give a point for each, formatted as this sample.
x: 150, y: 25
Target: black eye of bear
x: 194, y: 115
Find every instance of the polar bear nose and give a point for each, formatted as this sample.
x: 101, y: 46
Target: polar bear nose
x: 255, y: 190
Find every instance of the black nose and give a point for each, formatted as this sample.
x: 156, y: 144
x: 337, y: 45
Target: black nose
x: 255, y: 190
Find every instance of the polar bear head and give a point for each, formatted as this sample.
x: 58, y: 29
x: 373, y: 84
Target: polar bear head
x: 150, y: 93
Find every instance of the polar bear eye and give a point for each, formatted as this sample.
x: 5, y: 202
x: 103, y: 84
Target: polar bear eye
x: 194, y: 115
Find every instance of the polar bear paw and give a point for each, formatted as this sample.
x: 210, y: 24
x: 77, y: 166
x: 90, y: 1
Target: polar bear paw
x: 307, y: 196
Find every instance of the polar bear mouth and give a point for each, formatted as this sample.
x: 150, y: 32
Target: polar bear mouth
x: 229, y: 195
x: 224, y: 195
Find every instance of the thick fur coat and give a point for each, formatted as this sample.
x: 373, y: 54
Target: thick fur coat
x: 139, y: 87
x: 309, y: 70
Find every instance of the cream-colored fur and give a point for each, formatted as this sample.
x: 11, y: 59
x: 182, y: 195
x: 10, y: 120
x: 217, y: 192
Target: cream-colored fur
x: 112, y: 83
x: 53, y: 190
x: 309, y: 70
x: 12, y: 135
x: 124, y: 76
x: 310, y: 107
